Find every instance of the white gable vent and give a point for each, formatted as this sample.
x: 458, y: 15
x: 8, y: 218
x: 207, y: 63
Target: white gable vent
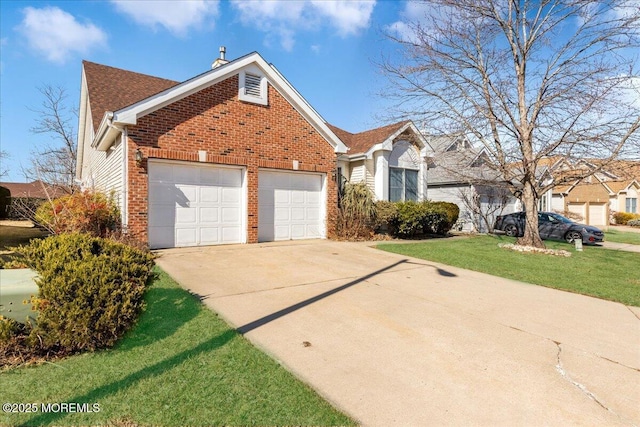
x: 253, y: 86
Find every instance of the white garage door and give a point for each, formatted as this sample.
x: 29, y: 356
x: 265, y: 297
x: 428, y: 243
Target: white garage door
x: 290, y: 206
x: 191, y: 205
x: 579, y: 210
x: 597, y: 214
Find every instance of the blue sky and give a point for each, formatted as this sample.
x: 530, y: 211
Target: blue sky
x: 324, y: 48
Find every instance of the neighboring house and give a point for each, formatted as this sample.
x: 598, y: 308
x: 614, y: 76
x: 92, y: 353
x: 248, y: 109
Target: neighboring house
x: 458, y: 174
x: 593, y: 200
x: 31, y: 193
x: 233, y: 155
x: 391, y: 160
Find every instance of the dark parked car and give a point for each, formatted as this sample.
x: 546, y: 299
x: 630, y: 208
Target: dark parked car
x: 551, y: 226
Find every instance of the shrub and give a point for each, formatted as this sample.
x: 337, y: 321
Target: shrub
x: 357, y: 212
x: 451, y: 212
x: 622, y: 218
x: 406, y: 219
x: 634, y: 223
x: 90, y: 290
x: 83, y: 212
x: 386, y: 217
x: 23, y: 207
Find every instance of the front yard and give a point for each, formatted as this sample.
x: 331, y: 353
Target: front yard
x: 618, y: 236
x: 181, y: 365
x: 597, y: 272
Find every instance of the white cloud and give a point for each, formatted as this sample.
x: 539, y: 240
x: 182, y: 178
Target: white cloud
x: 281, y: 19
x: 56, y: 33
x: 413, y: 14
x: 176, y: 16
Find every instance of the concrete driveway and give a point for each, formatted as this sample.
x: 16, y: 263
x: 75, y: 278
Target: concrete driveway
x: 398, y: 341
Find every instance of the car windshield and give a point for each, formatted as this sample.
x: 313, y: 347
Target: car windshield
x: 559, y: 218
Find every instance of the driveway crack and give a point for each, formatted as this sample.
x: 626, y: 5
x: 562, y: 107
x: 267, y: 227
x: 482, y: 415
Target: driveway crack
x: 632, y: 312
x: 580, y: 386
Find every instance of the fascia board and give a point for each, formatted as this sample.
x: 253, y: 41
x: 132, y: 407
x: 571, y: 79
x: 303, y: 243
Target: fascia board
x: 82, y: 124
x: 129, y: 115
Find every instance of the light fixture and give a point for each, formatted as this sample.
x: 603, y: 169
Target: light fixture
x: 138, y: 157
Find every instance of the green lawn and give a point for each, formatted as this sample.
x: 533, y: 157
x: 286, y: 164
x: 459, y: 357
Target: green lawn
x: 181, y: 365
x: 598, y: 272
x: 613, y: 235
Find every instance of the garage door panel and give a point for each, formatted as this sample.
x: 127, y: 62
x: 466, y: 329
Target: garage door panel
x: 186, y: 237
x: 209, y: 215
x: 186, y: 215
x: 189, y: 206
x: 231, y: 195
x: 281, y: 196
x: 281, y: 214
x: 298, y: 214
x: 290, y: 205
x: 230, y: 178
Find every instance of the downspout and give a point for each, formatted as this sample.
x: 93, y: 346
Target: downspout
x: 125, y: 179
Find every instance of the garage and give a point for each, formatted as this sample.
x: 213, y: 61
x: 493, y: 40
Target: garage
x: 195, y: 204
x: 578, y: 209
x: 597, y: 214
x: 291, y: 205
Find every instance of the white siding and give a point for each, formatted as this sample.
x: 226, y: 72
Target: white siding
x: 103, y: 171
x: 369, y: 175
x: 357, y: 172
x: 452, y: 194
x: 557, y: 203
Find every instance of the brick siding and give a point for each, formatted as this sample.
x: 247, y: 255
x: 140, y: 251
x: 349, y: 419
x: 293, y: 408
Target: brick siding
x: 232, y: 132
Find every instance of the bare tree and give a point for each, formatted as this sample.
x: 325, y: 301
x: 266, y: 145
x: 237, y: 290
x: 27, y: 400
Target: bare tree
x: 4, y: 170
x: 485, y: 204
x: 55, y: 162
x: 526, y: 80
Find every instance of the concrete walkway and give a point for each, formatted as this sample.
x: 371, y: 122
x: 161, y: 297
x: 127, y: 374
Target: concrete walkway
x: 396, y: 341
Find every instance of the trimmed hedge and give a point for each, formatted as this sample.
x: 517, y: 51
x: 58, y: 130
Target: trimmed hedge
x: 90, y: 290
x: 407, y: 219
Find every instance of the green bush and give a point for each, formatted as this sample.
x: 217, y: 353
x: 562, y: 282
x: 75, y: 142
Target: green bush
x: 386, y: 217
x: 407, y: 219
x: 90, y: 290
x: 84, y: 212
x: 451, y: 211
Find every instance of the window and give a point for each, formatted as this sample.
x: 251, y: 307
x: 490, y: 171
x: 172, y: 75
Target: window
x: 631, y: 205
x: 403, y: 184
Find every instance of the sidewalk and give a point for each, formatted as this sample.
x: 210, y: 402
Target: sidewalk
x: 620, y: 246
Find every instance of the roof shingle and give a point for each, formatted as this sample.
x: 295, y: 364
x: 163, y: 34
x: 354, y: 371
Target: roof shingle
x: 361, y: 142
x: 111, y: 89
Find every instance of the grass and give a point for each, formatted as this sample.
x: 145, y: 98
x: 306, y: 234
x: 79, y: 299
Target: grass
x: 597, y: 272
x: 613, y: 235
x: 181, y: 365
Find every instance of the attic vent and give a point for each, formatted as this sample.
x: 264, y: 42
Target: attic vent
x: 252, y: 85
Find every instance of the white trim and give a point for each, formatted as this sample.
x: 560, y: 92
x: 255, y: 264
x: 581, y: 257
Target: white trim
x: 125, y: 184
x: 387, y: 144
x: 130, y: 115
x: 263, y: 99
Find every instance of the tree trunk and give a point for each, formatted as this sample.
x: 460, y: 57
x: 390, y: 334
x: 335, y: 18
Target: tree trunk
x: 531, y: 236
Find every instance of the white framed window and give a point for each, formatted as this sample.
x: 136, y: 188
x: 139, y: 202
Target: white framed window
x: 403, y: 184
x: 631, y: 205
x: 253, y: 86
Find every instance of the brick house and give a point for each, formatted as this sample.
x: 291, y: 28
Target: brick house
x: 233, y: 155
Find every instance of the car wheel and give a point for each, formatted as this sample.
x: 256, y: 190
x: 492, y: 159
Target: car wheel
x: 572, y: 236
x: 511, y: 230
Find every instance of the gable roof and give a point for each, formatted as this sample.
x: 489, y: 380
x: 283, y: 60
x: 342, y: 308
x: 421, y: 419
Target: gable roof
x: 381, y: 138
x: 618, y: 186
x: 115, y: 120
x: 112, y: 89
